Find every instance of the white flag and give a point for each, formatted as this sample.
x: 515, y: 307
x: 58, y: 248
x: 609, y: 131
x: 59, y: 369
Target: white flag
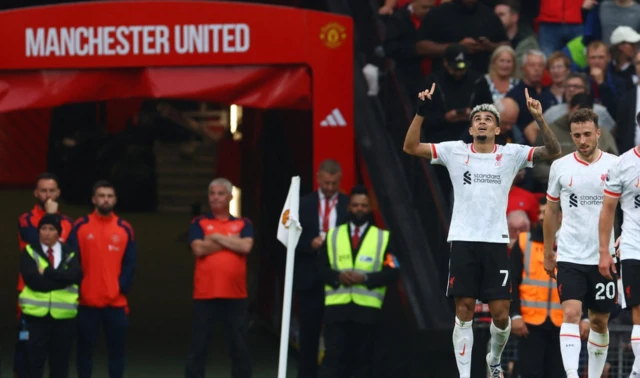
x: 289, y: 219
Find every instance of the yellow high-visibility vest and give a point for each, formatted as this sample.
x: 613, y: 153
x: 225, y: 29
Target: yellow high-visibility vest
x: 61, y: 304
x: 370, y: 259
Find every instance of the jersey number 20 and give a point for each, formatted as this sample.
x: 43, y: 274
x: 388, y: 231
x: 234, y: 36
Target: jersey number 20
x: 609, y: 290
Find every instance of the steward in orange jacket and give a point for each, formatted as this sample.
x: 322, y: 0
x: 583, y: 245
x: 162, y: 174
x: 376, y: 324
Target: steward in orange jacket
x: 536, y: 313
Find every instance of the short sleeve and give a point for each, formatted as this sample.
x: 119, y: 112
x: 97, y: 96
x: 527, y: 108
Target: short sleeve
x: 440, y: 152
x: 195, y: 231
x: 553, y: 190
x: 247, y: 230
x: 613, y: 182
x: 523, y: 155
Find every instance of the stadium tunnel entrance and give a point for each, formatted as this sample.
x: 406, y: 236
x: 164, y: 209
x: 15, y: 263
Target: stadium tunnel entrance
x: 66, y: 83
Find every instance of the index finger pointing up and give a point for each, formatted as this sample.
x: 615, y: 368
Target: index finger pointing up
x: 526, y: 93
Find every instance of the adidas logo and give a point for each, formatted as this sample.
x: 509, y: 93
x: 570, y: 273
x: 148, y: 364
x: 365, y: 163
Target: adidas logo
x: 334, y: 119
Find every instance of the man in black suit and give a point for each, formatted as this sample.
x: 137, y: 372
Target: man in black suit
x: 320, y: 211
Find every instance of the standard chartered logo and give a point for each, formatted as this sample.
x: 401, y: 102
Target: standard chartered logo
x: 480, y: 178
x: 574, y: 200
x: 636, y: 201
x: 467, y: 178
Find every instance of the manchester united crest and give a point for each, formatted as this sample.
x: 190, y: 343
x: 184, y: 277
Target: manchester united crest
x: 285, y: 218
x: 333, y: 34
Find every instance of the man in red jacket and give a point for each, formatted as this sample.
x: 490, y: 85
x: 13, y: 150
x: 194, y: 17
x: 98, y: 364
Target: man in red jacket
x: 46, y: 192
x: 560, y: 22
x: 107, y: 250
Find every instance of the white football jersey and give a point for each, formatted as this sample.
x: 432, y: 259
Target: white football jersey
x: 579, y: 187
x: 623, y: 181
x: 481, y: 184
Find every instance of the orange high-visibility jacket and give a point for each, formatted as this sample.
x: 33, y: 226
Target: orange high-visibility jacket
x: 538, y: 293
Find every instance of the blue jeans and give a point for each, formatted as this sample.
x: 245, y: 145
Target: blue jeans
x: 553, y: 37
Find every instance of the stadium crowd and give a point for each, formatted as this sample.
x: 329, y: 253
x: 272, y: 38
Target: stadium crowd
x: 569, y: 55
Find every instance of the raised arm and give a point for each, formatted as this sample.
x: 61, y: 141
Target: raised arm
x: 551, y: 149
x: 412, y: 144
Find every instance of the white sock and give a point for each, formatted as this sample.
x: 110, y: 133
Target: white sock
x: 462, y: 344
x: 499, y: 338
x: 635, y: 345
x: 598, y: 346
x: 570, y: 346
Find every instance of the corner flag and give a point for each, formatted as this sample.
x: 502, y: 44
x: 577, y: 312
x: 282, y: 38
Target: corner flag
x: 289, y: 217
x: 289, y: 230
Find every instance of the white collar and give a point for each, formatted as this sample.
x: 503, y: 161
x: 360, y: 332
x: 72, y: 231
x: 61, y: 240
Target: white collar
x: 361, y: 227
x: 57, y: 248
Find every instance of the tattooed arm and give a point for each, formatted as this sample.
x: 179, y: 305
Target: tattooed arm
x: 551, y: 148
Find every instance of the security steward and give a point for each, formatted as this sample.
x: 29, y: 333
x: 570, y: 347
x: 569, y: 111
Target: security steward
x: 356, y: 266
x: 49, y: 300
x: 536, y: 313
x: 46, y: 193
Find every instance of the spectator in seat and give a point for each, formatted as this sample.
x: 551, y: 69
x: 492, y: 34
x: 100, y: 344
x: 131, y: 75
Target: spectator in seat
x: 617, y: 13
x: 466, y: 22
x: 521, y: 39
x: 624, y: 42
x: 578, y: 83
x: 559, y: 22
x: 627, y: 130
x: 559, y: 67
x: 562, y: 131
x: 509, y: 111
x: 533, y: 64
x: 501, y: 77
x: 459, y: 90
x: 518, y: 221
x: 400, y: 45
x: 605, y: 87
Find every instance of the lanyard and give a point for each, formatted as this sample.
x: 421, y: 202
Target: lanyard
x: 327, y: 211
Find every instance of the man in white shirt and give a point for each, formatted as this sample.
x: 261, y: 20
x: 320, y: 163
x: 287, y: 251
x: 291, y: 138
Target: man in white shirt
x: 623, y: 184
x: 575, y: 185
x: 481, y: 173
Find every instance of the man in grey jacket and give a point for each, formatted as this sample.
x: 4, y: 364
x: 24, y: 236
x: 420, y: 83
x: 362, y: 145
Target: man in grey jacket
x: 561, y: 128
x: 574, y: 84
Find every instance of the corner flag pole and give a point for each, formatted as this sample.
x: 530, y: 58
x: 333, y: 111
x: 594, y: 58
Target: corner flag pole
x: 289, y: 231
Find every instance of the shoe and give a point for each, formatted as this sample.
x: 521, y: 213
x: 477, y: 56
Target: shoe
x: 495, y: 371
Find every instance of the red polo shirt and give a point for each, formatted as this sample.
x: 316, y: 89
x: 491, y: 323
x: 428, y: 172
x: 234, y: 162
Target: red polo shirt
x: 222, y: 274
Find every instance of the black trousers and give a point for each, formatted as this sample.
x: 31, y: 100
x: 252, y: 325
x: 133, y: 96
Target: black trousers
x: 311, y: 311
x: 114, y: 323
x: 348, y: 350
x: 233, y: 314
x: 20, y: 350
x: 49, y: 339
x: 539, y: 353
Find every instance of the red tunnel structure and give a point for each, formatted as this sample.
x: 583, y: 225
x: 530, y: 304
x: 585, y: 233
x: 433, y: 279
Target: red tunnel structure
x: 236, y: 53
